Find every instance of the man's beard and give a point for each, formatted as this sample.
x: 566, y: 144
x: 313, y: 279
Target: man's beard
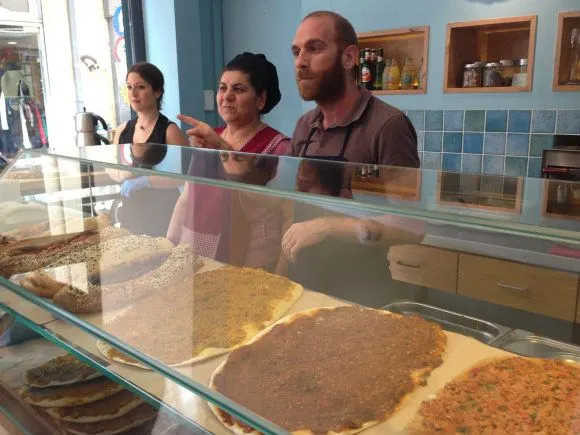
x: 326, y: 87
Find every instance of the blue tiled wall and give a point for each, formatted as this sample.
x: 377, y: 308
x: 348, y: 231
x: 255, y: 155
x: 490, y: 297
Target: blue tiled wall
x: 506, y: 142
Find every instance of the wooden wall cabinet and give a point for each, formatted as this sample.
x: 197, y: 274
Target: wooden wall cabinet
x: 423, y: 265
x: 536, y: 289
x: 488, y: 40
x: 398, y: 44
x: 563, y: 63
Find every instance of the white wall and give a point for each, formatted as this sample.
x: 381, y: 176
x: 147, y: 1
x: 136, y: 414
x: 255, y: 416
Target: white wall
x: 60, y: 92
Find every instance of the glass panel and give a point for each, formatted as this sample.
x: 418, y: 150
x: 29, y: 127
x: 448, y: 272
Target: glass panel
x: 150, y: 281
x: 33, y: 351
x: 22, y: 111
x: 14, y: 6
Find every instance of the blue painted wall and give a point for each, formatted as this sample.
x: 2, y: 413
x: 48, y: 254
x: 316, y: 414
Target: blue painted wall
x: 162, y: 50
x: 184, y: 39
x: 267, y: 26
x: 371, y: 15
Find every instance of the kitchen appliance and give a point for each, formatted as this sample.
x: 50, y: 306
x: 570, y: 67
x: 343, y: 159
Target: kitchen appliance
x: 86, y: 124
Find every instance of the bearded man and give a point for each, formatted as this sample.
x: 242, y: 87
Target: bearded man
x: 348, y: 124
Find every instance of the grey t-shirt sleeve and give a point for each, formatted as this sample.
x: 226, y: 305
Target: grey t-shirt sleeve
x: 397, y: 143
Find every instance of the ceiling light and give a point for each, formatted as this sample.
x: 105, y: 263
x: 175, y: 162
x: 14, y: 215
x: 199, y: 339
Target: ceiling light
x: 12, y: 43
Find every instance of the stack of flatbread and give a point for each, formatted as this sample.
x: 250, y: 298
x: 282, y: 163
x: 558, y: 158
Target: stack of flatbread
x: 82, y: 401
x: 29, y: 250
x: 113, y: 275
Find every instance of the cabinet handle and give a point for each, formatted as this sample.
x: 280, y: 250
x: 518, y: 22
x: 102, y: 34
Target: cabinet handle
x: 512, y: 287
x: 412, y: 266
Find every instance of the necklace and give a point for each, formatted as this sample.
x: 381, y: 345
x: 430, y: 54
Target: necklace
x: 143, y: 127
x: 240, y: 143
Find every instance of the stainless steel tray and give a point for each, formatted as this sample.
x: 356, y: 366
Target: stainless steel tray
x: 527, y: 344
x: 481, y: 330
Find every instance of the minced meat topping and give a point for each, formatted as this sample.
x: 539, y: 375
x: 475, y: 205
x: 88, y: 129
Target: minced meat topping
x: 334, y: 370
x: 512, y: 395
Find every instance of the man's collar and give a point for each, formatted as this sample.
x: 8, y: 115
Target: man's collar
x: 353, y: 116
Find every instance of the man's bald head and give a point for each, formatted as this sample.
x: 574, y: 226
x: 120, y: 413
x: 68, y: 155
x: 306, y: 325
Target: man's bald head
x: 345, y: 34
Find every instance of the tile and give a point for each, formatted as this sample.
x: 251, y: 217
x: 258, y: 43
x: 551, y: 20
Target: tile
x: 433, y: 141
x: 473, y: 143
x: 451, y: 162
x: 432, y: 161
x: 453, y: 120
x: 471, y: 163
x: 494, y: 143
x: 420, y: 140
x: 496, y: 121
x: 417, y: 117
x: 452, y: 142
x: 516, y: 166
x: 518, y: 144
x: 539, y: 143
x: 493, y: 164
x: 535, y: 168
x: 474, y: 120
x: 568, y: 122
x: 434, y: 120
x: 519, y: 121
x: 544, y: 121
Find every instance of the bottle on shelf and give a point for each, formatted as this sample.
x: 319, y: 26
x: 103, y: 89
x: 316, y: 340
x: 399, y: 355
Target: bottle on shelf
x: 392, y: 81
x: 366, y: 77
x: 408, y: 74
x: 379, y: 67
x: 574, y: 78
x: 419, y: 77
x: 358, y: 66
x: 373, y: 62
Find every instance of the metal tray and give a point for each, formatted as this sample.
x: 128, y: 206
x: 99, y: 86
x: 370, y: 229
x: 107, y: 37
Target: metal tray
x: 481, y: 330
x: 527, y: 344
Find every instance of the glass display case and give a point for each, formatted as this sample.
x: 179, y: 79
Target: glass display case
x: 198, y: 291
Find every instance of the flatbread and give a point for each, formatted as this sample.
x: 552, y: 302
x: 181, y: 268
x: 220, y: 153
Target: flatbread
x: 336, y: 370
x: 70, y: 395
x: 54, y: 251
x: 112, y: 407
x: 122, y: 256
x: 506, y: 395
x: 136, y: 417
x: 63, y: 370
x: 89, y: 298
x: 206, y: 315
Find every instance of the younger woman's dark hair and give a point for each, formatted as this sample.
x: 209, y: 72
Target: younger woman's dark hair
x: 153, y: 155
x: 152, y: 75
x: 263, y: 76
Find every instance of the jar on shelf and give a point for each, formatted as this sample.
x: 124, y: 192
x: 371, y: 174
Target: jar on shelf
x: 492, y: 75
x: 520, y: 78
x: 508, y: 69
x: 472, y: 76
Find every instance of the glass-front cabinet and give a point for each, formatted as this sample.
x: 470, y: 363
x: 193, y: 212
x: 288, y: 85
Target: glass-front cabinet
x: 158, y: 289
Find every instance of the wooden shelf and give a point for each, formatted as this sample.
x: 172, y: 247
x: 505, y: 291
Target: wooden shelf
x: 488, y: 40
x: 562, y: 64
x: 398, y: 44
x: 391, y: 182
x: 480, y: 191
x: 400, y: 92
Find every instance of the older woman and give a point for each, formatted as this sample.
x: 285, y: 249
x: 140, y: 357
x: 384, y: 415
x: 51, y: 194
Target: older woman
x: 213, y: 217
